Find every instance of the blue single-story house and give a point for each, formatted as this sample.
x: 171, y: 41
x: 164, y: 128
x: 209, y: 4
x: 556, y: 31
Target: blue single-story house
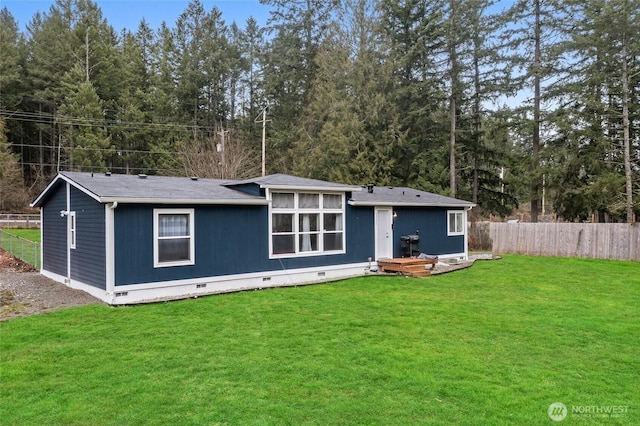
x: 129, y: 239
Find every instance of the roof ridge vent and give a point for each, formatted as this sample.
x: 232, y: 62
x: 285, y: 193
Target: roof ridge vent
x: 142, y: 176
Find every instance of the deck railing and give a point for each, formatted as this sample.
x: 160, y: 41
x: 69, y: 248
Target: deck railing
x: 27, y: 250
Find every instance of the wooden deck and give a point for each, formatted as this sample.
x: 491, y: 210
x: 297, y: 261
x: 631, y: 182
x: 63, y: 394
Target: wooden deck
x: 409, y: 266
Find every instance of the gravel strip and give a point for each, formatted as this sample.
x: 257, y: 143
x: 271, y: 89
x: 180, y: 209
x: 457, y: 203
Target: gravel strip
x: 29, y: 293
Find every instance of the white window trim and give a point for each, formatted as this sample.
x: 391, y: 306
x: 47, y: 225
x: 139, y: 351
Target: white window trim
x: 296, y: 211
x: 458, y: 213
x: 192, y: 251
x: 73, y: 230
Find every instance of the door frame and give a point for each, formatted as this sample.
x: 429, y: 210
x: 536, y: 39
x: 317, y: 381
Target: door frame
x: 381, y: 252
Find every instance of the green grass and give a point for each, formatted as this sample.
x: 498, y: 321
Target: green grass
x: 22, y: 243
x: 28, y: 234
x: 493, y: 344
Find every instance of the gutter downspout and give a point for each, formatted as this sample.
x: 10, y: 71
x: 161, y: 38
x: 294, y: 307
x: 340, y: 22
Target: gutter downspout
x: 466, y: 232
x: 109, y: 239
x: 67, y: 230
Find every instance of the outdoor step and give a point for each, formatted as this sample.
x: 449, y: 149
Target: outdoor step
x: 407, y: 266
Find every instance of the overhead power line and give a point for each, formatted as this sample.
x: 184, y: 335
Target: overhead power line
x: 51, y: 119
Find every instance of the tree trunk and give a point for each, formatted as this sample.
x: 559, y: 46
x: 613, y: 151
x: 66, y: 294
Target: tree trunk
x: 452, y: 150
x: 452, y: 102
x: 535, y: 148
x: 477, y: 122
x: 625, y: 125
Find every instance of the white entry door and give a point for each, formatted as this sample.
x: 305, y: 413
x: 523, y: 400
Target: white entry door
x: 384, y: 233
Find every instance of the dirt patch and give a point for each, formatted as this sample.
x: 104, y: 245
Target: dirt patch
x: 9, y: 262
x: 23, y: 291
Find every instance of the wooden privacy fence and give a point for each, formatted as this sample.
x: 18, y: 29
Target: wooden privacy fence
x: 619, y: 241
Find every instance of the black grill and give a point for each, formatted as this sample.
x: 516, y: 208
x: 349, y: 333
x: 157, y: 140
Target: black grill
x: 410, y: 245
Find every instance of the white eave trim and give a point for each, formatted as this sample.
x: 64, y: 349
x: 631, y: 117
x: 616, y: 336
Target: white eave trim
x: 232, y: 202
x: 70, y: 182
x: 298, y: 188
x: 392, y: 204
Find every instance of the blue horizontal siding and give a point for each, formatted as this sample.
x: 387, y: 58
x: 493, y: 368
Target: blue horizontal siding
x: 54, y: 231
x: 88, y: 264
x: 250, y: 188
x: 431, y: 224
x: 229, y: 240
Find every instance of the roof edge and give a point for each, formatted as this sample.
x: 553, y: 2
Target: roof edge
x: 345, y: 188
x: 211, y: 201
x: 392, y: 204
x: 61, y: 176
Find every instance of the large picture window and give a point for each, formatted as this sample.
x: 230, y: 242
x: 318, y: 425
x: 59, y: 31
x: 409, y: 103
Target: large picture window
x: 305, y: 224
x: 455, y: 225
x: 173, y: 231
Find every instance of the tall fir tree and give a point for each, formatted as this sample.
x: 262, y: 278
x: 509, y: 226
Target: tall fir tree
x: 81, y: 114
x: 535, y: 33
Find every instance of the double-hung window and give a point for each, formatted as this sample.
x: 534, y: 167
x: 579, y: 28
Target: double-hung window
x: 455, y: 222
x: 173, y: 237
x: 305, y: 223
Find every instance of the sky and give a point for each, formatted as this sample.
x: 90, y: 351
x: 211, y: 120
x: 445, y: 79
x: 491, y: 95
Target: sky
x: 127, y: 14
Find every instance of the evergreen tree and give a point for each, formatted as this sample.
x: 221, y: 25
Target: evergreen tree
x: 72, y: 34
x: 10, y: 61
x: 130, y: 132
x: 13, y: 196
x: 537, y: 31
x: 251, y: 46
x: 414, y: 30
x: 298, y: 28
x: 81, y: 115
x: 594, y: 147
x: 485, y: 78
x: 201, y: 49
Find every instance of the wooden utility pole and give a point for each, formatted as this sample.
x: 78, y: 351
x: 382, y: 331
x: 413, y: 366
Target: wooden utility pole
x: 264, y: 136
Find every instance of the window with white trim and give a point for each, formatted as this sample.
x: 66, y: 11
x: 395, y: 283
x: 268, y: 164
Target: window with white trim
x: 72, y: 230
x: 173, y: 237
x: 306, y: 223
x: 455, y: 222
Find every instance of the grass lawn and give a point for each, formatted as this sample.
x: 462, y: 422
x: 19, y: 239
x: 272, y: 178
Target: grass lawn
x: 493, y: 344
x: 28, y: 234
x: 22, y: 247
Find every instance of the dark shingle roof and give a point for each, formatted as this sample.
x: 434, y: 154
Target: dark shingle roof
x: 400, y: 196
x: 154, y: 189
x: 108, y: 188
x: 286, y: 181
